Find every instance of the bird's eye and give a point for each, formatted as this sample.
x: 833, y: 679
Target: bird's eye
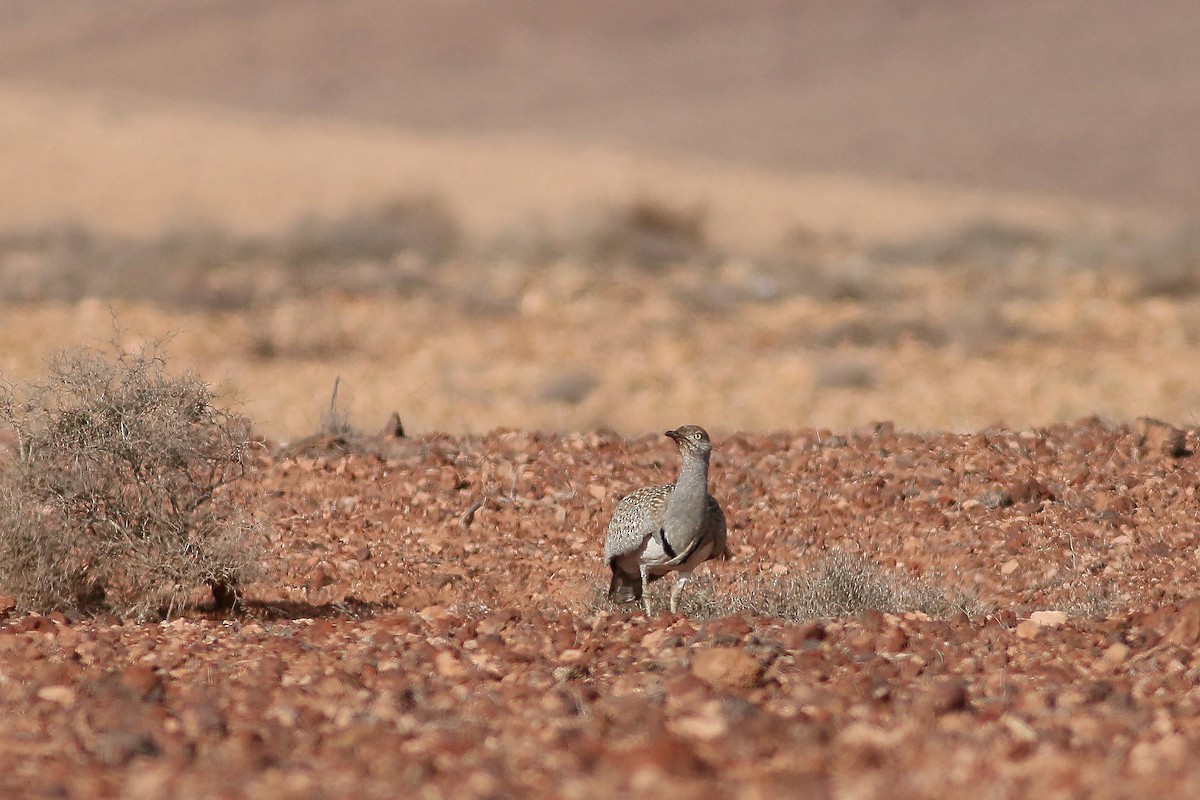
x: 696, y: 436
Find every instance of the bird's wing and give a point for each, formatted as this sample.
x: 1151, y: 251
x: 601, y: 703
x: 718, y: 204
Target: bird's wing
x: 638, y: 516
x: 714, y: 532
x: 717, y: 528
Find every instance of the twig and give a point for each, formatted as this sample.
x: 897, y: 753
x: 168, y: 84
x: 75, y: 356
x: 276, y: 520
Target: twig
x: 464, y: 521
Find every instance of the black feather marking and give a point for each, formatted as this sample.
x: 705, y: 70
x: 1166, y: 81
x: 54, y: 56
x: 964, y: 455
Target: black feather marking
x: 666, y: 546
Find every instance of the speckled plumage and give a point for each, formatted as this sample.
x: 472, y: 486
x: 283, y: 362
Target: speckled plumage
x: 668, y: 528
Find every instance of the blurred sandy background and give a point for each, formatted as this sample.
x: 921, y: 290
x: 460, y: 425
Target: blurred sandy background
x: 758, y: 215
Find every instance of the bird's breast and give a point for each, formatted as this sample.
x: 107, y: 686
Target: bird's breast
x: 653, y: 553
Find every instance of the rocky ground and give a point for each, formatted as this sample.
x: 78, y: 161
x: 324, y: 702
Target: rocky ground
x: 435, y: 627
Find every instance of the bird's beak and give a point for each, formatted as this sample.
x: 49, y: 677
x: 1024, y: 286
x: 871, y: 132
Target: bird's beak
x: 673, y: 434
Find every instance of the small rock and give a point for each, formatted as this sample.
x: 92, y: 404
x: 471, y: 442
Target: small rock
x: 947, y: 695
x: 1079, y: 475
x: 430, y: 613
x: 35, y: 622
x: 661, y: 639
x: 1009, y: 567
x: 1049, y: 619
x: 1186, y: 629
x: 811, y: 631
x: 1147, y: 758
x: 321, y: 577
x: 727, y: 668
x: 1117, y: 504
x: 1160, y: 438
x: 63, y: 695
x: 497, y: 621
x: 707, y: 724
x: 243, y: 751
x: 448, y: 666
x: 893, y: 640
x: 143, y: 681
x: 650, y: 764
x: 119, y: 747
x: 1019, y: 729
x: 571, y: 656
x: 1028, y: 629
x: 685, y: 687
x: 564, y: 674
x: 732, y: 627
x: 994, y: 498
x: 1095, y: 691
x: 200, y: 718
x: 1116, y: 654
x: 1030, y: 491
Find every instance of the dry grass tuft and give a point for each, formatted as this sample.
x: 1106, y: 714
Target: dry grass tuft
x: 1167, y: 266
x: 982, y: 243
x: 114, y: 498
x: 423, y: 227
x: 338, y: 436
x: 842, y: 585
x: 846, y: 372
x: 645, y: 233
x: 571, y: 387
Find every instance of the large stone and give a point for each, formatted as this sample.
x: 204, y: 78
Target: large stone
x: 1156, y: 437
x: 727, y: 668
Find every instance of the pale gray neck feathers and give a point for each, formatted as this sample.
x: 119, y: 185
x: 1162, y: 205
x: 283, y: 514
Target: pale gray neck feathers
x: 688, y: 503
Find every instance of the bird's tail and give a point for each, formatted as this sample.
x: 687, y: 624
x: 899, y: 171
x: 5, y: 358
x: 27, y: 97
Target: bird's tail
x: 626, y: 587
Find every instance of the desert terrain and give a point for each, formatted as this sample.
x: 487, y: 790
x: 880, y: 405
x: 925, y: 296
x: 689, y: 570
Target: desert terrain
x: 930, y: 276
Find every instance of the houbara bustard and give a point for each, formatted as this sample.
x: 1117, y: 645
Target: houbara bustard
x: 669, y: 528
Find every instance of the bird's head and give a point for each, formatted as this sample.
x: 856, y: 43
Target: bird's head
x: 692, y: 440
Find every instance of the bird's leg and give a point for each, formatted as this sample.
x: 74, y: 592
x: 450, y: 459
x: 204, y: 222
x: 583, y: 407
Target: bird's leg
x: 681, y: 578
x: 646, y: 587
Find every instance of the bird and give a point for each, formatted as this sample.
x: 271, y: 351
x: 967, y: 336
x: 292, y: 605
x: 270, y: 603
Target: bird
x: 668, y: 528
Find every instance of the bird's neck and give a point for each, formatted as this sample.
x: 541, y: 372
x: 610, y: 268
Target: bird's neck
x: 687, y: 504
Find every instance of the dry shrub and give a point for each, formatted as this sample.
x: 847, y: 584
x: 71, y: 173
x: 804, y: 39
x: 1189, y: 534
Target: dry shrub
x: 338, y: 436
x: 197, y: 265
x: 114, y: 499
x: 880, y: 330
x: 182, y: 266
x: 647, y: 234
x: 978, y: 326
x: 570, y: 387
x: 990, y: 243
x: 827, y: 266
x: 1090, y: 598
x: 841, y: 585
x: 421, y: 226
x: 846, y: 372
x: 1166, y: 266
x: 1017, y: 258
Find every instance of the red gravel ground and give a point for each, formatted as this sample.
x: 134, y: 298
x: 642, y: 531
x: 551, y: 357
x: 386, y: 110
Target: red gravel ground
x: 434, y: 628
